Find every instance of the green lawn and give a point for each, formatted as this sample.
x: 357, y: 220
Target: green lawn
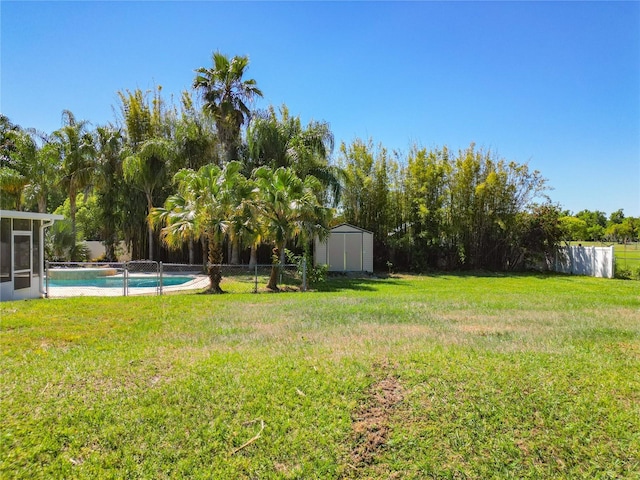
x: 447, y: 376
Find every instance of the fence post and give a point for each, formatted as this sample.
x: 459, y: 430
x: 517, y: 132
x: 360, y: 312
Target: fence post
x: 125, y: 279
x: 612, y: 263
x: 46, y: 273
x: 160, y: 282
x: 255, y: 277
x: 304, y: 274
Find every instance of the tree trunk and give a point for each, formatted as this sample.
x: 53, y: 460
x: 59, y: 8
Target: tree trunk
x: 192, y: 253
x: 203, y: 243
x: 215, y: 272
x: 235, y: 252
x: 72, y: 212
x: 149, y: 208
x: 277, y: 259
x: 253, y: 259
x: 150, y: 233
x: 42, y: 204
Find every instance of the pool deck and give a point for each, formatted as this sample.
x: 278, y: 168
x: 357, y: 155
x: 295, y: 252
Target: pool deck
x: 201, y: 281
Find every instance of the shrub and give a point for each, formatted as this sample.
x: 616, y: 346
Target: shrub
x: 315, y: 273
x: 622, y: 273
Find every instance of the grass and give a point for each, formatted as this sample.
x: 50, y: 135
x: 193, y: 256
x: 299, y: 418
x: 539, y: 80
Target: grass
x: 448, y: 376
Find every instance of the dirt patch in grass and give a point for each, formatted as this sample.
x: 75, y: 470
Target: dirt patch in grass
x: 371, y: 422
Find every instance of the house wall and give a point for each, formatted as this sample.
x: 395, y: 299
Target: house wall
x: 22, y: 253
x: 8, y: 250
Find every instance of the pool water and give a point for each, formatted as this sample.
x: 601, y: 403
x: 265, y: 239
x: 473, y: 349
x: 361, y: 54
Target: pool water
x: 117, y: 282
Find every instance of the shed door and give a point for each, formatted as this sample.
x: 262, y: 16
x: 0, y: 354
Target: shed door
x: 336, y: 252
x: 21, y: 260
x: 353, y: 252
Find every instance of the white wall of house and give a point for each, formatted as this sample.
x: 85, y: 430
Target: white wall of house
x: 348, y: 249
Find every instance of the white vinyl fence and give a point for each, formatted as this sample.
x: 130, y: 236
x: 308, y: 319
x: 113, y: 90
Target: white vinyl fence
x: 589, y: 261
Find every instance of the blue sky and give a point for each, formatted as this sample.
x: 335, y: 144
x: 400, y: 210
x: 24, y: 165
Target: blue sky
x: 553, y: 84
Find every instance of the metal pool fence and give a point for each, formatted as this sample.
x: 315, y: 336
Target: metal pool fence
x: 71, y: 279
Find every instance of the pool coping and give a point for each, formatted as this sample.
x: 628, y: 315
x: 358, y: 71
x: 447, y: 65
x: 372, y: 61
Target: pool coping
x: 200, y: 281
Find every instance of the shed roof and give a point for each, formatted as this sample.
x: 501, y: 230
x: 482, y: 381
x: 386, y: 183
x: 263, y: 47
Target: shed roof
x: 344, y: 224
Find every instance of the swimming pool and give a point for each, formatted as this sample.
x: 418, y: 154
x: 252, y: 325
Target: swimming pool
x: 117, y: 281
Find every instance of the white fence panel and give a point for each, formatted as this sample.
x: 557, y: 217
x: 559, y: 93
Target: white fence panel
x: 589, y: 261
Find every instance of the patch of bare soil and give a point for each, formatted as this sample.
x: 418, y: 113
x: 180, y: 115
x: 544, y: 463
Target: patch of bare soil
x: 371, y: 422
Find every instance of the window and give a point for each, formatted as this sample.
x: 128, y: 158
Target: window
x: 22, y: 254
x: 22, y: 224
x: 22, y: 261
x: 5, y: 249
x: 36, y: 247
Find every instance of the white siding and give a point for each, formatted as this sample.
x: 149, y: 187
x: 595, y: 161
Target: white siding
x: 320, y: 252
x: 367, y: 252
x: 348, y: 249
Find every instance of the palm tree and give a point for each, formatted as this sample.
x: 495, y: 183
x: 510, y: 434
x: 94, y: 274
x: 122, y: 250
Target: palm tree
x: 202, y: 207
x: 77, y: 150
x: 283, y: 142
x: 109, y: 143
x: 290, y: 208
x: 12, y: 184
x: 146, y: 171
x: 225, y: 95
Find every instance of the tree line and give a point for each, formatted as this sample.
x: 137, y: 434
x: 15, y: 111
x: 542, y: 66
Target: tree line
x: 212, y: 179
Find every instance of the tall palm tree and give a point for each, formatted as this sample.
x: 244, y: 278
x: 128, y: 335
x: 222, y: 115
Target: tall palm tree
x: 202, y: 207
x: 290, y: 208
x: 109, y: 143
x: 283, y: 142
x: 226, y: 94
x: 78, y: 152
x: 146, y: 170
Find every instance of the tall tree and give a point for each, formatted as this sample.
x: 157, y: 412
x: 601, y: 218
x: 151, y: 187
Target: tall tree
x: 109, y: 184
x: 366, y: 192
x: 427, y: 190
x: 148, y: 126
x: 18, y: 151
x: 226, y: 95
x: 78, y: 153
x: 146, y: 170
x: 202, y: 207
x: 290, y: 208
x: 283, y: 142
x: 194, y: 136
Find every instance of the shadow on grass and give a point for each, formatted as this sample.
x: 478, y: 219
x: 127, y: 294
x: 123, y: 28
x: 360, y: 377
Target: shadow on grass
x: 370, y: 283
x: 367, y: 283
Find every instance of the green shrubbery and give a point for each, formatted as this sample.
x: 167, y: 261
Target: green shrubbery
x: 315, y: 273
x: 627, y: 273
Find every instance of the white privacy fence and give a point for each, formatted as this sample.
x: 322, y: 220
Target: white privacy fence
x: 590, y: 261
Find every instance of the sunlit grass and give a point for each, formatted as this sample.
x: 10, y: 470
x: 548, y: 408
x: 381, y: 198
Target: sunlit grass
x: 501, y: 376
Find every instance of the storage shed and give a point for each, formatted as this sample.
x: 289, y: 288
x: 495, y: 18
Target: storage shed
x: 22, y: 253
x: 348, y: 249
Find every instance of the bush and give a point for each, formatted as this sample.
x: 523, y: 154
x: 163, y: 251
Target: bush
x: 623, y: 273
x: 315, y: 273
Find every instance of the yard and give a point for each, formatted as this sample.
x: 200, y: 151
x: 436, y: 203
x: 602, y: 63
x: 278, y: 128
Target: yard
x: 446, y: 376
